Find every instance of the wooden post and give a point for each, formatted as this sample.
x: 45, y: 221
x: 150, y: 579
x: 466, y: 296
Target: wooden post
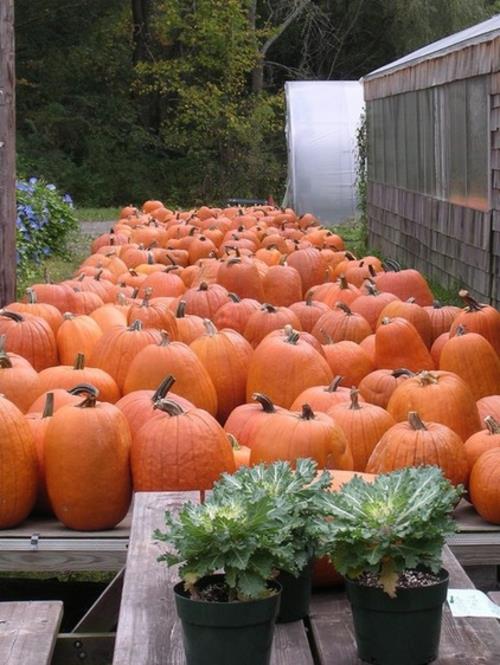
x: 7, y: 155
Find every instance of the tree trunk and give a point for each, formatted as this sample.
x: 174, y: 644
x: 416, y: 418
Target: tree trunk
x: 7, y: 155
x: 141, y: 10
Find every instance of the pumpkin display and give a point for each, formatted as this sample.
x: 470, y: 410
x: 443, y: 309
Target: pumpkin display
x: 87, y: 466
x: 478, y: 318
x: 398, y: 344
x: 18, y: 466
x: 322, y: 398
x: 341, y: 324
x: 235, y: 313
x: 378, y: 386
x: 19, y: 382
x: 489, y: 406
x: 484, y: 440
x: 244, y: 419
x: 308, y: 311
x: 241, y: 453
x: 38, y: 423
x: 181, y: 450
x: 413, y: 313
x: 290, y: 435
x: 349, y: 360
x: 77, y: 334
x: 44, y: 310
x: 30, y: 337
x: 441, y: 317
x: 266, y: 319
x: 419, y: 443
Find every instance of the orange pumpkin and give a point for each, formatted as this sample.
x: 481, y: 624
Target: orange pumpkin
x: 484, y: 485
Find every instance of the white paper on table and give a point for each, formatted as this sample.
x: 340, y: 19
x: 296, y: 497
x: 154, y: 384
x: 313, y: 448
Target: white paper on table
x: 471, y: 603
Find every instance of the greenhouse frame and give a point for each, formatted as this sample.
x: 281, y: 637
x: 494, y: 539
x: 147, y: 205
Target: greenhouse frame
x: 433, y: 122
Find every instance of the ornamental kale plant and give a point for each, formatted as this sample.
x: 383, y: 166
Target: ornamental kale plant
x: 296, y: 493
x: 398, y: 522
x: 44, y: 223
x: 249, y: 542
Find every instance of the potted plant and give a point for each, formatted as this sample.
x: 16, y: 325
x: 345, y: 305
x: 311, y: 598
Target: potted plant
x: 297, y: 495
x: 386, y: 537
x: 228, y: 617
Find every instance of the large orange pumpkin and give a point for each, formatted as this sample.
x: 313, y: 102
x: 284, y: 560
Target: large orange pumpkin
x: 487, y: 438
x: 484, y: 485
x: 19, y: 382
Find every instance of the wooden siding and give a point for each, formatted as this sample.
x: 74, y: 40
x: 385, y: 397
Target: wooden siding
x: 462, y: 63
x: 447, y: 242
x: 495, y: 187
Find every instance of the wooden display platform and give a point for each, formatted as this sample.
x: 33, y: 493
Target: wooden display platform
x: 44, y: 545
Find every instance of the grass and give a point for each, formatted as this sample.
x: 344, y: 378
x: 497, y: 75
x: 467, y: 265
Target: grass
x: 103, y: 576
x: 97, y: 214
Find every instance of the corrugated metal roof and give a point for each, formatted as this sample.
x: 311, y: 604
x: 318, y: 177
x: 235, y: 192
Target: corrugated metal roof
x: 481, y: 32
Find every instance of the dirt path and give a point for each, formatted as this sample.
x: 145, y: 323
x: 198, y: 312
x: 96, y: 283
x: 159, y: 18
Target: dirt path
x: 94, y: 229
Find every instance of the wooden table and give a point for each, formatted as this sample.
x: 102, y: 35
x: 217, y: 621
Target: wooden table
x: 149, y: 633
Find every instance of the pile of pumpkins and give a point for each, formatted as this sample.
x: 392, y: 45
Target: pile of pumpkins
x: 191, y: 342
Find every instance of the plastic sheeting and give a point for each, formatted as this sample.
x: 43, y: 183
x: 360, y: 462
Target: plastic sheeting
x: 322, y: 119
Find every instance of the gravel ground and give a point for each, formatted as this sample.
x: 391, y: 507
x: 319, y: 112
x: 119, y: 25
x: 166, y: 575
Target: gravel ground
x: 94, y: 229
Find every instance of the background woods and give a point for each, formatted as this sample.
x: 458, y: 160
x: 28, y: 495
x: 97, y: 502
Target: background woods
x: 123, y: 100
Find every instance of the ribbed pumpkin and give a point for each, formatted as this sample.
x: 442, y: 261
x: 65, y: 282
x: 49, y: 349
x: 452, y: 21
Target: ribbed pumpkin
x: 235, y: 313
x: 18, y: 466
x: 323, y: 398
x: 405, y: 284
x: 205, y: 300
x: 341, y: 324
x: 61, y: 398
x: 226, y: 356
x: 266, y: 319
x: 86, y: 302
x: 282, y: 286
x: 437, y: 347
x: 189, y: 326
x: 76, y: 334
x: 489, y: 406
x: 241, y: 454
x: 30, y: 337
x: 310, y: 265
x: 240, y: 275
x: 157, y: 360
x: 68, y: 376
x: 244, y: 419
x: 483, y: 440
x: 162, y: 283
x: 398, y: 344
x: 484, y: 485
x: 87, y: 466
x: 370, y: 305
x: 413, y: 313
x: 117, y: 348
x: 363, y: 424
x: 441, y: 316
x: 478, y: 318
x: 153, y: 315
x: 60, y: 295
x: 349, y: 360
x: 182, y: 450
x: 38, y: 423
x: 138, y: 406
x: 378, y: 386
x: 308, y: 311
x: 330, y: 293
x: 109, y: 315
x: 418, y: 443
x: 282, y: 367
x: 291, y: 435
x: 440, y: 397
x: 473, y: 358
x: 45, y: 311
x: 19, y: 382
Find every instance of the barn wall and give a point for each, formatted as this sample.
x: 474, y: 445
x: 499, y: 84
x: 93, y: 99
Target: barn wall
x: 495, y: 188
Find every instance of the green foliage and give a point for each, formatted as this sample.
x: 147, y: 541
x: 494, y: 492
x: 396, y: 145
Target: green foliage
x: 256, y: 522
x: 399, y: 521
x: 97, y: 214
x: 44, y: 224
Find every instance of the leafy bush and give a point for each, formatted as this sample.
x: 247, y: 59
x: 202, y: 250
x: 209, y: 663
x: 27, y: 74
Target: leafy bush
x: 45, y: 221
x: 396, y: 523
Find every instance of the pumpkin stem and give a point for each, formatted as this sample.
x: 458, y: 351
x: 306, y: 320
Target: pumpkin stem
x: 135, y: 326
x: 292, y: 337
x: 233, y: 441
x: 427, y: 378
x: 355, y: 406
x: 309, y: 298
x: 349, y: 256
x: 471, y: 303
x: 337, y: 380
x: 307, y: 413
x: 147, y: 297
x: 210, y: 327
x: 232, y: 261
x: 265, y: 402
x: 165, y: 338
x: 371, y: 288
x: 371, y: 270
x: 270, y: 309
x: 90, y: 401
x: 460, y: 331
x: 163, y: 388
x: 135, y: 293
x: 343, y: 283
x: 12, y: 315
x: 5, y: 362
x: 48, y: 410
x: 170, y: 258
x: 234, y: 297
x: 68, y: 316
x: 411, y: 300
x: 327, y: 336
x: 31, y: 294
x: 169, y: 406
x: 180, y: 312
x: 203, y: 286
x: 83, y: 388
x: 415, y: 421
x: 98, y: 275
x: 402, y: 371
x: 79, y: 361
x: 391, y: 265
x: 345, y: 308
x: 492, y: 425
x: 436, y: 304
x: 386, y: 320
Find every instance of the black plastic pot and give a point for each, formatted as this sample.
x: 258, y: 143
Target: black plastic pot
x: 239, y: 633
x: 398, y: 631
x: 295, y: 595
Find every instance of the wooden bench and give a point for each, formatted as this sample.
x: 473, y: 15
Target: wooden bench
x: 28, y: 632
x: 149, y: 632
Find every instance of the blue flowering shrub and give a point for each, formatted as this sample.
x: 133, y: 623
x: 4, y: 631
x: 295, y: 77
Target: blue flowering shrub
x: 45, y: 223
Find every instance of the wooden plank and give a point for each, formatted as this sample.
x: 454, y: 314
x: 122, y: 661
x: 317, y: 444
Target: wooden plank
x: 69, y: 560
x: 7, y: 155
x: 88, y: 648
x: 28, y: 631
x: 464, y: 641
x: 148, y: 629
x: 102, y: 616
x: 52, y: 528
